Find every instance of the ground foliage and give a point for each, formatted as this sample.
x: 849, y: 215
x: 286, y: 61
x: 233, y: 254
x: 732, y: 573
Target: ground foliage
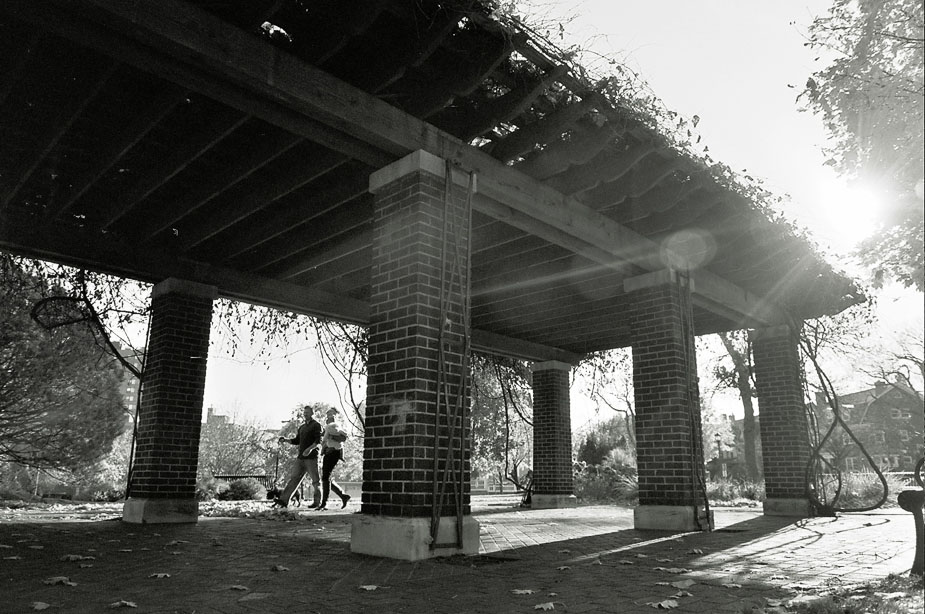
x: 895, y: 594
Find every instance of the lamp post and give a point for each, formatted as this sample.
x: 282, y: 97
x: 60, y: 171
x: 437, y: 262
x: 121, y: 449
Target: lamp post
x: 719, y: 446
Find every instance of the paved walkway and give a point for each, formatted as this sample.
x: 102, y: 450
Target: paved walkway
x: 587, y: 560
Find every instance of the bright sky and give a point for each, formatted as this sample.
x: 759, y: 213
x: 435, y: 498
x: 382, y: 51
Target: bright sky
x: 732, y: 63
x: 739, y: 66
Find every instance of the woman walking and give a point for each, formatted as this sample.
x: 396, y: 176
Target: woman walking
x: 332, y: 450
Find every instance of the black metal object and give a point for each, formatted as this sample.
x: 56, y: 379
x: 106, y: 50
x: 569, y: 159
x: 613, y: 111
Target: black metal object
x: 913, y: 501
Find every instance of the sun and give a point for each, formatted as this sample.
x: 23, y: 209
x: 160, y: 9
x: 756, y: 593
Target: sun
x: 847, y: 212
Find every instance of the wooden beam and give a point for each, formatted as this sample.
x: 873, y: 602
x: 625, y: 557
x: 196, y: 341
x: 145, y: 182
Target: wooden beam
x: 104, y: 254
x: 493, y: 343
x: 108, y: 254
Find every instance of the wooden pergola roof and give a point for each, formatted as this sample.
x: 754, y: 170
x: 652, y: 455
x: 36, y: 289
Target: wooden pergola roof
x: 230, y: 142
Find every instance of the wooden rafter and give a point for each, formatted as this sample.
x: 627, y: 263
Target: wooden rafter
x: 544, y: 130
x: 561, y: 155
x: 662, y: 197
x: 340, y: 247
x: 123, y: 141
x: 382, y: 65
x: 643, y: 176
x: 257, y: 195
x: 292, y: 217
x: 259, y: 156
x: 84, y: 89
x: 437, y: 92
x: 502, y: 109
x: 180, y: 157
x: 23, y: 56
x: 606, y: 166
x: 311, y: 231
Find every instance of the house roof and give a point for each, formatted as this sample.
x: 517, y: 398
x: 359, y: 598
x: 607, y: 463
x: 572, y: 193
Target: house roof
x: 231, y: 142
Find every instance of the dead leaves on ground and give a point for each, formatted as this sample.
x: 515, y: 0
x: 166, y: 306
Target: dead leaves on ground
x: 59, y: 580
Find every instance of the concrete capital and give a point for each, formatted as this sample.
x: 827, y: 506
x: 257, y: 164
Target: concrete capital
x: 419, y: 160
x: 551, y: 365
x: 782, y: 330
x: 173, y: 285
x: 652, y: 280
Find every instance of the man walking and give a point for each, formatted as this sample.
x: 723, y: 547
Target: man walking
x: 307, y: 438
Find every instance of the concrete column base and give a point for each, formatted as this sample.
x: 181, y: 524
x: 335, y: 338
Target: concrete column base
x: 672, y: 518
x: 160, y: 511
x: 549, y: 502
x: 408, y: 539
x: 798, y: 508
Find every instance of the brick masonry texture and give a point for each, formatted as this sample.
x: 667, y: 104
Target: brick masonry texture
x: 669, y: 445
x: 784, y: 433
x: 171, y: 404
x: 552, y: 432
x: 411, y: 288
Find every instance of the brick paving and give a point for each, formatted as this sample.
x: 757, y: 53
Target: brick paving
x: 587, y: 560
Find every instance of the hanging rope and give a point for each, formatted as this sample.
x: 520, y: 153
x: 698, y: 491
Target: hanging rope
x: 698, y: 477
x: 453, y: 413
x: 815, y: 473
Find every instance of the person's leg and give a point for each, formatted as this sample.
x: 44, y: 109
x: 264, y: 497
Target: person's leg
x: 311, y: 465
x: 296, y: 473
x: 327, y: 466
x: 344, y: 497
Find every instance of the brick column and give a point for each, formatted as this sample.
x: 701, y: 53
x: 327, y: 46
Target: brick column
x: 552, y: 436
x: 163, y: 486
x: 669, y: 447
x: 419, y: 285
x: 782, y: 421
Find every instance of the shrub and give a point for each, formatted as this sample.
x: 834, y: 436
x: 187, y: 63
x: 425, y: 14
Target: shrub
x: 240, y: 490
x: 110, y: 495
x: 730, y: 491
x: 863, y: 488
x: 206, y: 490
x: 604, y: 483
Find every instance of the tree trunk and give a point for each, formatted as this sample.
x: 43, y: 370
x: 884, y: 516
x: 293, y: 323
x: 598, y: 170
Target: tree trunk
x: 748, y: 429
x: 744, y: 385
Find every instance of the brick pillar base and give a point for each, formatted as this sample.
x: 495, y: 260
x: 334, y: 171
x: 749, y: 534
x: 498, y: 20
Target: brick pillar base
x: 669, y: 447
x: 417, y: 368
x: 552, y: 437
x: 782, y: 424
x: 163, y: 486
